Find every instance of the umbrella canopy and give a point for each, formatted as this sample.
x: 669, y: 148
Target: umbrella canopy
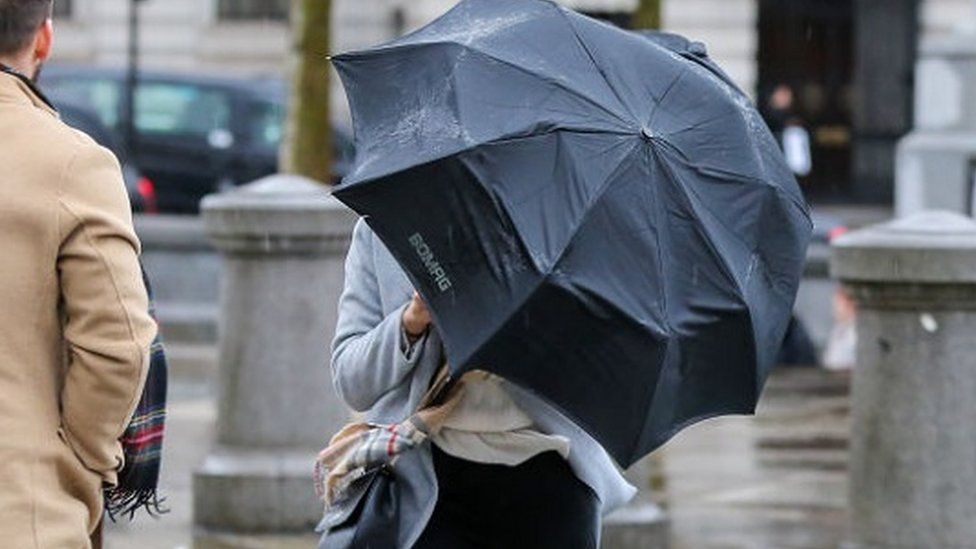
x: 595, y: 215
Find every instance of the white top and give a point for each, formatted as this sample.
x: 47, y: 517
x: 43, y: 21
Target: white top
x: 488, y: 427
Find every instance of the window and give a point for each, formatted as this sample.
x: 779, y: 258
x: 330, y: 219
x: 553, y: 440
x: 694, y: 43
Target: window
x: 102, y: 96
x: 62, y: 9
x: 266, y: 127
x: 182, y: 110
x: 238, y: 10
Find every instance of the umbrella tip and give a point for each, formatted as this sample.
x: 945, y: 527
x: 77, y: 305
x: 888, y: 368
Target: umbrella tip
x: 647, y: 133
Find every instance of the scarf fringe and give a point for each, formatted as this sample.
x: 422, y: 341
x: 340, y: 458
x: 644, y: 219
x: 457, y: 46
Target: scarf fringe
x: 126, y: 503
x: 142, y: 442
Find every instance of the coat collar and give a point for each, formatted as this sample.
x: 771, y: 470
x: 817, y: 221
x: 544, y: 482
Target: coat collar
x: 17, y: 88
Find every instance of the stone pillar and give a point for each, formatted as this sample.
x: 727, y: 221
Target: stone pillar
x: 282, y: 242
x: 936, y: 163
x: 913, y: 444
x: 730, y: 29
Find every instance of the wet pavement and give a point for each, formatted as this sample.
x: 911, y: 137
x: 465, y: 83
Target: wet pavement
x: 189, y: 433
x: 775, y: 481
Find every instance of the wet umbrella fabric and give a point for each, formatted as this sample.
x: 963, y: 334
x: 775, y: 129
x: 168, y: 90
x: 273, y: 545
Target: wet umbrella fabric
x: 596, y: 215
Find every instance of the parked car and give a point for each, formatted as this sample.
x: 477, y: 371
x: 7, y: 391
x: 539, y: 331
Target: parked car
x: 142, y: 191
x: 194, y: 135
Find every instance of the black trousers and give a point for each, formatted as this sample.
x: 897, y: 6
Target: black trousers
x: 538, y: 504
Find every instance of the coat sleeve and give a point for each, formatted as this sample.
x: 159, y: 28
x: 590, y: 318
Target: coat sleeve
x: 369, y: 357
x: 107, y: 327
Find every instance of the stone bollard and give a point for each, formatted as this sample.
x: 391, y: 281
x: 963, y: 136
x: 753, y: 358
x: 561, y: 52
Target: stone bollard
x: 282, y: 241
x: 913, y: 445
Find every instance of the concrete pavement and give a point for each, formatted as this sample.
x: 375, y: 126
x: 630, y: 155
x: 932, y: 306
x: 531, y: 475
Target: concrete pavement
x: 775, y: 481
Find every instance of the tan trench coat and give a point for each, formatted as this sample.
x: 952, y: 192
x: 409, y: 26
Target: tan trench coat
x: 74, y: 328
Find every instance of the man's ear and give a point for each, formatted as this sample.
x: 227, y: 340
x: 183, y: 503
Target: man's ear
x: 44, y: 42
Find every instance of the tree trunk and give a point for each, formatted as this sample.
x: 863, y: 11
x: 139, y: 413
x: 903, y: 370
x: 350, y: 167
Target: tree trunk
x: 648, y: 15
x: 307, y: 148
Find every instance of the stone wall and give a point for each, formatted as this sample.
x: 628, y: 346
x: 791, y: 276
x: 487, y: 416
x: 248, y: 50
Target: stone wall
x: 186, y: 34
x: 727, y: 27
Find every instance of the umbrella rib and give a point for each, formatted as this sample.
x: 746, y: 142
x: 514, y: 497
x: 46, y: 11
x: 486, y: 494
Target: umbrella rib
x: 745, y: 178
x: 689, y: 192
x: 697, y: 125
x: 704, y: 170
x: 752, y: 250
x: 663, y: 294
x: 597, y: 196
x: 671, y: 86
x: 513, y: 136
x: 561, y: 85
x: 548, y: 273
x: 672, y: 177
x: 589, y: 55
x: 714, y: 70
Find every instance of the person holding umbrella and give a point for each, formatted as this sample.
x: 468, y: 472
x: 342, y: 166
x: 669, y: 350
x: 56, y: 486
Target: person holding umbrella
x: 608, y: 243
x: 505, y: 470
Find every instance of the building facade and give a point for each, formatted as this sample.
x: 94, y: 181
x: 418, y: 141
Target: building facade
x: 849, y: 62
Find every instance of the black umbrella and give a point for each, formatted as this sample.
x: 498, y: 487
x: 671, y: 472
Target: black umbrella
x: 597, y: 216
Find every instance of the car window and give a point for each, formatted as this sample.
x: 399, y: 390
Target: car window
x: 183, y: 110
x: 267, y: 125
x: 101, y: 96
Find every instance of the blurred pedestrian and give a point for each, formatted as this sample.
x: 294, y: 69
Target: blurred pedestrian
x: 75, y: 331
x: 789, y: 130
x: 796, y: 148
x: 504, y: 469
x: 841, y: 350
x: 779, y: 109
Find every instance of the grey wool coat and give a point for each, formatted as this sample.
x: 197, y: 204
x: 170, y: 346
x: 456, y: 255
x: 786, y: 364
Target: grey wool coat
x: 372, y: 374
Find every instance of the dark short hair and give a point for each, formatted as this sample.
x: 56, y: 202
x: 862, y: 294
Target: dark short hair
x: 19, y: 20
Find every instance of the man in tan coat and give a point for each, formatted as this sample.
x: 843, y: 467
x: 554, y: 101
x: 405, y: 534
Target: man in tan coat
x: 74, y: 329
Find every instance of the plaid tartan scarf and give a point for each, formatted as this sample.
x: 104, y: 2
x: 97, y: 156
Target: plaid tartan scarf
x: 142, y: 441
x: 359, y: 449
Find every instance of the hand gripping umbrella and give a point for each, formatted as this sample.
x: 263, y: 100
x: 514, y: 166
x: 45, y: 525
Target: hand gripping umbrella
x: 595, y: 215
